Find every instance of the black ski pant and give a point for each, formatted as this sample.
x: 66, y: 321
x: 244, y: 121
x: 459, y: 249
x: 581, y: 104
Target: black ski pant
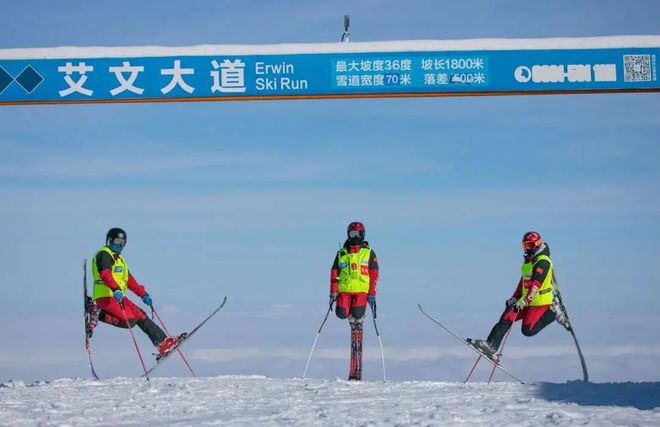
x: 353, y: 305
x: 529, y: 328
x: 153, y: 331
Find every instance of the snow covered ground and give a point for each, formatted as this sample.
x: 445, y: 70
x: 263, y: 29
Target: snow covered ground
x: 256, y: 400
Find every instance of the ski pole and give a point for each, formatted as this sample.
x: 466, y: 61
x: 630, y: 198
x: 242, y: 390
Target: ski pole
x: 128, y: 325
x: 499, y: 355
x: 316, y: 338
x: 382, y: 355
x: 473, y: 368
x: 168, y: 334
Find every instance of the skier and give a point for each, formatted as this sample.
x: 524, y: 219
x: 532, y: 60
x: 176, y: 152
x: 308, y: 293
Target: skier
x: 353, y: 284
x: 354, y: 275
x: 111, y: 279
x: 533, y: 301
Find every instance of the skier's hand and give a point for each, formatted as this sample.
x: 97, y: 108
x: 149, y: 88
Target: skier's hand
x: 333, y: 297
x: 372, y: 303
x: 511, y: 302
x: 520, y: 304
x: 147, y: 300
x: 118, y: 295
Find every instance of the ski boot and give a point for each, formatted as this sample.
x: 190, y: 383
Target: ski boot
x: 560, y: 314
x: 483, y: 347
x: 168, y: 345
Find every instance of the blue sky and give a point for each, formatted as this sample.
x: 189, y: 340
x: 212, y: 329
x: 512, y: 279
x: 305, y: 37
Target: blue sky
x: 251, y: 199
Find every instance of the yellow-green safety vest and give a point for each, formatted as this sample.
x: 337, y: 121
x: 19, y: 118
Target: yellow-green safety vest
x: 119, y: 273
x: 545, y: 294
x: 354, y: 270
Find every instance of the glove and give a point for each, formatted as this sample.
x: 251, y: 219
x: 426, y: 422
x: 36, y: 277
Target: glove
x: 372, y: 303
x: 511, y: 302
x: 520, y: 304
x: 147, y: 299
x: 333, y: 297
x: 118, y: 295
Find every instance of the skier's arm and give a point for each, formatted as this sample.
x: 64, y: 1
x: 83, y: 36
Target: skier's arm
x: 540, y: 271
x: 134, y: 286
x: 334, y: 276
x: 104, y: 263
x: 373, y: 273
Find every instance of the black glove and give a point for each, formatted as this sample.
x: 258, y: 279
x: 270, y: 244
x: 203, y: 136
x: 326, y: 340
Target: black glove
x: 372, y: 304
x: 333, y: 297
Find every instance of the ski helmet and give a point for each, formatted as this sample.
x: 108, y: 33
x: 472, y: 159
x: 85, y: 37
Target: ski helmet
x: 531, y: 242
x: 115, y: 239
x: 356, y: 231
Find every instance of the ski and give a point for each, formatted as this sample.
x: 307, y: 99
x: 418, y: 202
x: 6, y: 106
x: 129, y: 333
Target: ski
x: 493, y: 362
x: 355, y: 371
x: 88, y: 307
x: 183, y: 338
x: 585, y: 373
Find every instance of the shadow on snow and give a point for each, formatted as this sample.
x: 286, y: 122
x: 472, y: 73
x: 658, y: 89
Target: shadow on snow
x: 645, y: 395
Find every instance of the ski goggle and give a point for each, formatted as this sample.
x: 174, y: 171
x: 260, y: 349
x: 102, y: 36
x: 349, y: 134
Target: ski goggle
x: 531, y: 244
x: 355, y: 233
x: 119, y: 241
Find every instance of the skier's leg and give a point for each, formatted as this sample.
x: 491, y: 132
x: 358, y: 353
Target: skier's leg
x: 342, y: 305
x: 359, y: 306
x: 153, y: 331
x: 111, y: 313
x: 537, y: 318
x: 499, y: 330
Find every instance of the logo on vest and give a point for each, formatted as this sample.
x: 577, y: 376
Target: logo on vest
x: 118, y: 269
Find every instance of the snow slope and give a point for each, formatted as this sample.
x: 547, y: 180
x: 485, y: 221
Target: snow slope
x: 255, y: 400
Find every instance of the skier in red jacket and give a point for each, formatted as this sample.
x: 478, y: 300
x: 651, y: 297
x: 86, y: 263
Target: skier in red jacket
x: 354, y: 275
x: 533, y: 301
x: 353, y: 284
x: 111, y: 281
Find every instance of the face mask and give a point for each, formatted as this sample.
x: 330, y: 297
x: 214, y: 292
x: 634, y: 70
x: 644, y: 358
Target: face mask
x: 117, y: 244
x: 116, y: 248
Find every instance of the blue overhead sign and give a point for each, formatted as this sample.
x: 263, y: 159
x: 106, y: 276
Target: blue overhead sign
x: 326, y: 75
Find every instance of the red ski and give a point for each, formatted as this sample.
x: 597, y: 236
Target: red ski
x: 90, y: 320
x: 355, y: 372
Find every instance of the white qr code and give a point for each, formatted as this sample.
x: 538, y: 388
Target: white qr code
x: 637, y: 68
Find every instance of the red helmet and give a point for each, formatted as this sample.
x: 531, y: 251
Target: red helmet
x: 356, y: 231
x: 531, y: 241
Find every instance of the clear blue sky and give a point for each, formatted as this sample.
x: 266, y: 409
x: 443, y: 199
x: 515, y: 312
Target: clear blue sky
x: 251, y: 199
